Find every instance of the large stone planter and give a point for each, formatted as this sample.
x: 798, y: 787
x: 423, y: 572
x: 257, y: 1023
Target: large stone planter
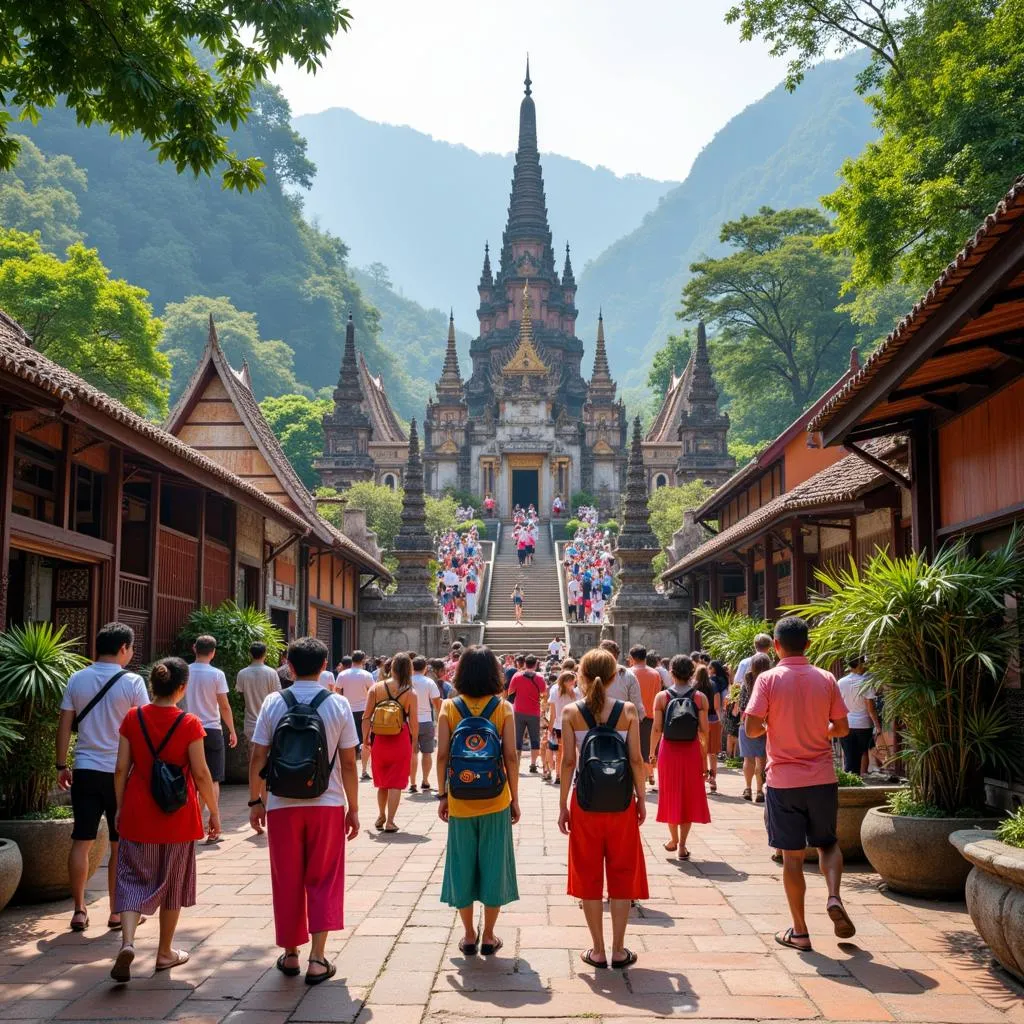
x: 913, y: 855
x: 45, y: 846
x: 854, y: 803
x: 10, y: 870
x: 236, y: 762
x: 995, y: 894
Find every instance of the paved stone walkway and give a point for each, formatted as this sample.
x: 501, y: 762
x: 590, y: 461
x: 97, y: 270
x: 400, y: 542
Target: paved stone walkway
x: 704, y: 938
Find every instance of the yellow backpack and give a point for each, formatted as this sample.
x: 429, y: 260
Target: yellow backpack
x: 388, y: 715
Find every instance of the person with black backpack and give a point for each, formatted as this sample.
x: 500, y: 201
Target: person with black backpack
x: 304, y: 789
x: 602, y: 807
x: 681, y: 729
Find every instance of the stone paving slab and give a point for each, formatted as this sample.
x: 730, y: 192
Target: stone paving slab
x: 704, y: 939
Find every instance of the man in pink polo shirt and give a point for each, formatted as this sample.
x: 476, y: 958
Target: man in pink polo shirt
x: 802, y: 711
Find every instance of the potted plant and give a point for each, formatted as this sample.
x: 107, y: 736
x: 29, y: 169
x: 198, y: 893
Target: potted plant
x: 235, y: 629
x: 939, y: 643
x: 995, y: 887
x: 35, y: 663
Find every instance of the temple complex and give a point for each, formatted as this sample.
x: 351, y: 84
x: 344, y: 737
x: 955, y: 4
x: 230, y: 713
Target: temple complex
x: 526, y: 425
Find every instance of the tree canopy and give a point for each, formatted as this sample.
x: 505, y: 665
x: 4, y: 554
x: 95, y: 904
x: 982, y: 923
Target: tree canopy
x: 780, y: 340
x: 133, y: 65
x: 670, y: 359
x: 97, y: 326
x: 297, y: 422
x: 383, y: 508
x: 669, y: 504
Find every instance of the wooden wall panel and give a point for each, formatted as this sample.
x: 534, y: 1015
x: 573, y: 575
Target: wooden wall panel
x: 981, y: 460
x: 216, y: 573
x: 177, y: 575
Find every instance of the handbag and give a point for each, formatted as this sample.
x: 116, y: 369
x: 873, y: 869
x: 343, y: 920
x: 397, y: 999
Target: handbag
x: 167, y: 782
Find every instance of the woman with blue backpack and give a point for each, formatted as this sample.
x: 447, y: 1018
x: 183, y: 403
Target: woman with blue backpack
x: 681, y: 729
x: 478, y: 786
x: 602, y: 807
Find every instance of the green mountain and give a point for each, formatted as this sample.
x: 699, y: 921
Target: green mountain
x: 424, y: 208
x: 782, y: 151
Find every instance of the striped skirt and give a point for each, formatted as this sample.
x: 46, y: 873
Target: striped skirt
x: 155, y: 875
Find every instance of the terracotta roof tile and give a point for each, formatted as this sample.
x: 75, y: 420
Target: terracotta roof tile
x: 385, y: 423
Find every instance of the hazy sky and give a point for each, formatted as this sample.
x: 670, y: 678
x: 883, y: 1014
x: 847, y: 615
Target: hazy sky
x: 636, y: 86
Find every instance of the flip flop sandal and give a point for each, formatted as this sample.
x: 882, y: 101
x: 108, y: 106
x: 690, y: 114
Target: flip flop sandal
x: 290, y: 972
x: 467, y: 948
x: 671, y: 847
x: 747, y: 795
x: 391, y: 828
x: 180, y: 957
x: 79, y: 926
x: 778, y: 858
x: 319, y: 979
x: 379, y: 824
x: 759, y: 799
x: 627, y: 961
x: 588, y: 958
x: 712, y: 786
x: 685, y: 855
x: 786, y: 939
x: 122, y: 969
x: 489, y: 948
x: 844, y: 927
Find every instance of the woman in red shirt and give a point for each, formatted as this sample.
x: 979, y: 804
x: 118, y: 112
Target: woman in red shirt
x: 156, y: 862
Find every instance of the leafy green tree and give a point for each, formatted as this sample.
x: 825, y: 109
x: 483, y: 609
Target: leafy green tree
x: 382, y: 504
x: 186, y: 328
x: 670, y: 359
x: 946, y: 84
x: 441, y: 515
x: 131, y: 65
x: 669, y: 504
x: 42, y: 195
x: 743, y: 451
x: 297, y: 422
x: 780, y: 340
x: 99, y: 327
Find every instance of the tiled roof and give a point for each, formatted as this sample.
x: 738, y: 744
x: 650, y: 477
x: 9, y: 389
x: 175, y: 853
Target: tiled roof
x: 666, y: 424
x: 382, y: 417
x: 18, y: 358
x: 838, y: 484
x: 1009, y: 210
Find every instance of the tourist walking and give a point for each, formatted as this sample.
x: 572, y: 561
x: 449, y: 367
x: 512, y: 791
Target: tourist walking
x: 561, y: 694
x: 517, y: 603
x: 763, y: 644
x: 678, y: 741
x: 525, y: 692
x: 391, y: 727
x: 207, y: 699
x: 428, y: 704
x: 802, y: 710
x: 158, y: 814
x: 354, y: 683
x: 702, y: 681
x: 865, y: 725
x: 602, y: 807
x: 752, y: 748
x: 304, y: 790
x: 255, y: 683
x: 625, y: 686
x: 478, y: 784
x: 649, y: 682
x: 95, y: 702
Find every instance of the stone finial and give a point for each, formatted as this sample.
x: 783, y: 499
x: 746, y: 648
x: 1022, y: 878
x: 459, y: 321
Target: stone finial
x: 568, y: 279
x: 854, y: 360
x: 449, y: 386
x: 526, y: 81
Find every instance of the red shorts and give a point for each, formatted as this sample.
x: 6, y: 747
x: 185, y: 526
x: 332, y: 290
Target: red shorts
x: 600, y: 844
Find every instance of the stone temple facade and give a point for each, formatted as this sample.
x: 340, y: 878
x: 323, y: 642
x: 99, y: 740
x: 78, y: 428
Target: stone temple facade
x: 526, y: 425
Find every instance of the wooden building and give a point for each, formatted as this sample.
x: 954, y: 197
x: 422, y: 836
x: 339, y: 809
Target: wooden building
x: 795, y: 507
x: 105, y: 515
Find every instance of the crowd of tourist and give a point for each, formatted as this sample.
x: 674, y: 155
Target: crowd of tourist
x: 588, y: 565
x: 460, y: 572
x: 610, y: 736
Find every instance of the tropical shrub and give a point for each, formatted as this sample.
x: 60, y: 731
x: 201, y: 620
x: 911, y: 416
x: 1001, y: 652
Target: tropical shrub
x: 848, y: 779
x: 36, y: 661
x: 612, y: 526
x: 940, y: 642
x: 442, y: 515
x: 726, y: 635
x: 235, y: 630
x: 582, y: 499
x: 481, y: 527
x: 1011, y: 829
x: 464, y: 499
x: 572, y: 525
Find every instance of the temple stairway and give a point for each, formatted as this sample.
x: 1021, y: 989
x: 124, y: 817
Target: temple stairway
x: 542, y: 609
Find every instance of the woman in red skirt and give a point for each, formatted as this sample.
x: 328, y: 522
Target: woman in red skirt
x: 603, y: 843
x: 682, y: 800
x: 391, y: 755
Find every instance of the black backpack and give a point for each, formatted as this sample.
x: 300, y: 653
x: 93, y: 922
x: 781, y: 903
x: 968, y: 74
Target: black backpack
x: 682, y: 717
x: 167, y: 782
x: 604, y: 777
x: 298, y: 767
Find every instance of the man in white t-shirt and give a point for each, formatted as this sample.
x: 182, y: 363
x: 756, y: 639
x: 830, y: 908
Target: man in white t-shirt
x: 865, y: 725
x: 92, y: 781
x: 555, y: 648
x: 428, y: 701
x: 763, y: 644
x: 255, y: 682
x: 207, y: 699
x: 626, y: 686
x: 572, y: 594
x: 306, y: 838
x: 354, y: 684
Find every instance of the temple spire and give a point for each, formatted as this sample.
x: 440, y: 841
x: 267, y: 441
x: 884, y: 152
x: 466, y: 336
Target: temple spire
x: 702, y: 390
x: 450, y: 384
x: 527, y: 209
x: 568, y: 280
x: 601, y: 383
x: 486, y: 277
x: 526, y: 81
x: 525, y: 359
x: 413, y: 547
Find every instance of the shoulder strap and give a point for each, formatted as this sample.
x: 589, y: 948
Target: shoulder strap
x: 170, y: 733
x: 319, y: 699
x: 462, y: 707
x: 145, y: 732
x: 613, y: 718
x: 289, y: 698
x: 586, y: 713
x: 387, y: 690
x: 492, y: 705
x: 100, y: 694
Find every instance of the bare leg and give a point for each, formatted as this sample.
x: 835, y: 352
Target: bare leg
x: 468, y: 916
x: 759, y: 767
x: 620, y: 917
x: 112, y: 882
x: 412, y: 769
x: 317, y: 951
x: 428, y: 760
x: 593, y: 911
x: 830, y: 862
x: 394, y: 798
x: 673, y: 843
x: 684, y: 832
x: 78, y: 870
x: 796, y: 886
x: 748, y: 772
x: 129, y: 922
x: 382, y: 802
x: 490, y: 920
x: 168, y: 922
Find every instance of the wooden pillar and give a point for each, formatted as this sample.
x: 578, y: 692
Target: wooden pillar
x: 799, y: 565
x: 201, y: 550
x: 261, y: 599
x: 771, y: 581
x: 112, y: 529
x: 64, y: 481
x: 714, y: 586
x: 6, y: 501
x: 854, y: 553
x: 749, y: 578
x: 923, y: 484
x: 154, y: 558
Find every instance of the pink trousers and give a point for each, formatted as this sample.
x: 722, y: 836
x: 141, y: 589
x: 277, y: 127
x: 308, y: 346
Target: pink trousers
x: 307, y: 871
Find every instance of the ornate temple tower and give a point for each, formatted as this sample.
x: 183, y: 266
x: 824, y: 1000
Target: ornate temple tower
x: 446, y: 458
x: 604, y: 419
x: 527, y: 254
